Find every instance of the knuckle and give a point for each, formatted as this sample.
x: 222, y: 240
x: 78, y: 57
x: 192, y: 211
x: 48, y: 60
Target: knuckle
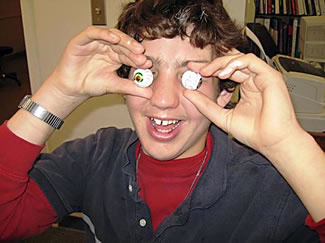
x: 90, y: 28
x: 251, y: 55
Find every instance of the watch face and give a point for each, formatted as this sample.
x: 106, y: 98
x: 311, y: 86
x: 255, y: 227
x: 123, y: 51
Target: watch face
x: 143, y: 77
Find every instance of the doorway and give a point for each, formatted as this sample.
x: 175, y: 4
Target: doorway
x: 12, y: 35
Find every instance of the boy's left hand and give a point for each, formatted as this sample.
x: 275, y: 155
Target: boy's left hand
x: 264, y: 118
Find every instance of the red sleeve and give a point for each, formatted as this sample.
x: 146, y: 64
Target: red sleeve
x: 318, y: 227
x: 25, y: 211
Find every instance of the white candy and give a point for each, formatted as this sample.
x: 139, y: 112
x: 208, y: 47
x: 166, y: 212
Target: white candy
x: 143, y: 77
x: 191, y: 80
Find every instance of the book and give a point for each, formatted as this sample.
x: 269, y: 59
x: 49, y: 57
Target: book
x: 322, y: 7
x: 274, y: 30
x: 267, y: 23
x: 297, y: 51
x: 285, y: 38
x: 310, y: 8
x: 261, y: 6
x: 280, y: 36
x: 297, y: 7
x: 259, y: 20
x: 277, y: 7
x: 289, y: 40
x: 300, y: 7
x: 269, y: 6
x: 289, y: 7
x: 307, y: 7
x: 265, y: 5
x: 293, y: 7
x: 303, y: 7
x: 294, y: 37
x: 313, y: 6
x: 317, y: 7
x: 285, y: 11
x: 281, y: 6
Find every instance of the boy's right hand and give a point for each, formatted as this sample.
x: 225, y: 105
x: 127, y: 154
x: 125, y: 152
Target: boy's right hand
x: 87, y: 68
x: 89, y: 63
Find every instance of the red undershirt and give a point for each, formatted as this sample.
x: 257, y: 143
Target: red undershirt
x: 25, y: 211
x: 165, y: 184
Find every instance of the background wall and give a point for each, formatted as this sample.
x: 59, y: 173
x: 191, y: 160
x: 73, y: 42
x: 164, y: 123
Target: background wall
x: 236, y: 9
x: 48, y: 26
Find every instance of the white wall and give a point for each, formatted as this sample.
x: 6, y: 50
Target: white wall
x: 236, y: 9
x: 48, y: 26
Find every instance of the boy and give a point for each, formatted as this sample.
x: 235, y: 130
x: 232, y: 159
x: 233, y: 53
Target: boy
x: 178, y: 177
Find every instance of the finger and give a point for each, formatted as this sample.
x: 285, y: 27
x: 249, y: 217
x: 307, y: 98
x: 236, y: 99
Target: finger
x: 215, y: 113
x: 128, y: 42
x: 129, y: 58
x: 109, y: 37
x: 249, y: 61
x: 216, y: 66
x: 94, y: 33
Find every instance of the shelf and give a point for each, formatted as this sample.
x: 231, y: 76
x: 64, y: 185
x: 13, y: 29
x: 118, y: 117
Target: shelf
x: 280, y: 16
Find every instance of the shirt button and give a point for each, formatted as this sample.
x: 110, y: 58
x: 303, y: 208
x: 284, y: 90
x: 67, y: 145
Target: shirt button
x: 130, y: 188
x: 142, y: 222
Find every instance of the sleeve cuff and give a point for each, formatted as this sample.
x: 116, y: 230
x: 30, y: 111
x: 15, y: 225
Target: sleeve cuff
x: 311, y: 223
x: 17, y: 155
x: 319, y: 227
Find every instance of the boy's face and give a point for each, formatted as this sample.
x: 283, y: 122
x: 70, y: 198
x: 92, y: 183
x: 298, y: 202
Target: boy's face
x: 169, y: 126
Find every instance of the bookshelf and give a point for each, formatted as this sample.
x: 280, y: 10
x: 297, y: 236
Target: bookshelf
x: 282, y: 19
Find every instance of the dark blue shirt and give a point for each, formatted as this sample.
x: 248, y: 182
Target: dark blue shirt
x: 240, y: 196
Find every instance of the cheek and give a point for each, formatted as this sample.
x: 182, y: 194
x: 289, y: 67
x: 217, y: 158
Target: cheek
x: 191, y: 111
x: 210, y: 88
x: 133, y: 104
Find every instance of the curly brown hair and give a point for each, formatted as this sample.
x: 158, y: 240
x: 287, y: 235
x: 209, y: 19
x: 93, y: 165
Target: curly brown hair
x: 208, y: 20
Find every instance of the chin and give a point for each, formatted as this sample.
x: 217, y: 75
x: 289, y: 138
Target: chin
x: 161, y: 152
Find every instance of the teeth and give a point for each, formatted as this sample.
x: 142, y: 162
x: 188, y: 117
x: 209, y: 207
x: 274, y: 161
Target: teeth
x: 157, y: 121
x: 164, y: 122
x: 165, y: 131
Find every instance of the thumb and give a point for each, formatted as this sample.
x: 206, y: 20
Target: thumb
x: 209, y: 108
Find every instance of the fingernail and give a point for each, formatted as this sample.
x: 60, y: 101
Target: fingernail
x: 136, y: 44
x: 223, y: 92
x: 225, y: 72
x: 236, y: 64
x: 113, y: 36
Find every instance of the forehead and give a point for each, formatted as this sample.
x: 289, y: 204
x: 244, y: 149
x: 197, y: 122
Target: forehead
x: 175, y: 52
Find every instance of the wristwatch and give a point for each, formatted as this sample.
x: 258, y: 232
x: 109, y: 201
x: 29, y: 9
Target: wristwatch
x: 40, y: 112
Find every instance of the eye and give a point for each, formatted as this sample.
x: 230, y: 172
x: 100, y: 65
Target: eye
x: 154, y: 73
x: 191, y: 80
x: 143, y: 77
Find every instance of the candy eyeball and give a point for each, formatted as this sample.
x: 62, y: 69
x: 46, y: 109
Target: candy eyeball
x: 143, y: 77
x: 191, y: 80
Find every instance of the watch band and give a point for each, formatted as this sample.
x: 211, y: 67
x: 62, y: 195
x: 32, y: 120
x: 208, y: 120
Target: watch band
x: 40, y: 112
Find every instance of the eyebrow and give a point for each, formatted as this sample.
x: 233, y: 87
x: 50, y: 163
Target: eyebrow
x: 177, y: 64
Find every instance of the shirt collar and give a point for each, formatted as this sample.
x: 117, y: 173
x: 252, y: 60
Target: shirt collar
x: 212, y: 183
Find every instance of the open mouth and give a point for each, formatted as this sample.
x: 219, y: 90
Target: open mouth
x: 164, y: 126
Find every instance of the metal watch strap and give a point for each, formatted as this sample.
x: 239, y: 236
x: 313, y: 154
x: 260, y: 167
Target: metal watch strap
x: 40, y: 112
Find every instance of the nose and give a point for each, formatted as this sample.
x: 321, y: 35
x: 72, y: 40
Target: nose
x: 165, y: 92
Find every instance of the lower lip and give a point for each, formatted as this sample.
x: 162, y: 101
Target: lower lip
x: 161, y: 136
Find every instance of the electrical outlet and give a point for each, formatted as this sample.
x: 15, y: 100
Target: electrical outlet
x: 98, y: 12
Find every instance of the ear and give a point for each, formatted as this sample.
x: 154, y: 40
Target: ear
x: 224, y: 98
